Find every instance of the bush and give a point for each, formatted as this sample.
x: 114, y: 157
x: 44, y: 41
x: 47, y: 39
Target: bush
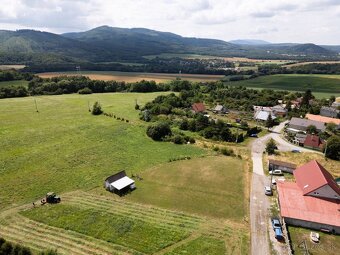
x: 192, y: 140
x: 159, y: 131
x: 178, y: 139
x: 271, y: 146
x: 97, y: 109
x: 333, y: 147
x: 227, y: 152
x: 85, y: 91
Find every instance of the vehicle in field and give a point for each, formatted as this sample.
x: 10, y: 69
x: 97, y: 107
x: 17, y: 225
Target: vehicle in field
x: 268, y: 191
x: 276, y: 172
x: 51, y: 198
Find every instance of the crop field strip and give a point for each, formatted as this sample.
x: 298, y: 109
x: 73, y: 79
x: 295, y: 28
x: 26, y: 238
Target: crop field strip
x: 41, y: 236
x: 144, y: 213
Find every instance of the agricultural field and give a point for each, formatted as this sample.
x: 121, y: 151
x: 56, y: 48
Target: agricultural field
x: 329, y: 244
x: 134, y: 76
x: 63, y: 148
x: 321, y: 85
x: 13, y: 83
x: 7, y: 67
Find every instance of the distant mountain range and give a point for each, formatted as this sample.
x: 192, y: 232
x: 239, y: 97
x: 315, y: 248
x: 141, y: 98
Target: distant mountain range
x: 108, y: 44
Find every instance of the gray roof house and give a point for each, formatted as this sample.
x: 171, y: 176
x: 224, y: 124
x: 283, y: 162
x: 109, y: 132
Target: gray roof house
x: 298, y: 124
x: 220, y: 109
x: 329, y: 112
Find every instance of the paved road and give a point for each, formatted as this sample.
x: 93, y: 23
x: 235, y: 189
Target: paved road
x: 259, y: 202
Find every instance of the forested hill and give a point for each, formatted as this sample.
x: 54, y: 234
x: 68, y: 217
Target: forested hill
x: 108, y: 44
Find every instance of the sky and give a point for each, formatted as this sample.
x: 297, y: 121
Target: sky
x: 300, y: 21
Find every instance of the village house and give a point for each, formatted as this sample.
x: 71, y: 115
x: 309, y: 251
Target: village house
x: 300, y: 139
x: 329, y: 112
x: 221, y: 109
x: 297, y: 125
x: 119, y: 183
x: 281, y: 165
x: 313, y: 142
x: 263, y: 116
x: 198, y: 108
x: 312, y: 201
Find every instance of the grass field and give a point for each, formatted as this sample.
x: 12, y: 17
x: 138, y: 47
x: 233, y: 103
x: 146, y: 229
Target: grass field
x: 197, y: 205
x: 13, y: 83
x: 6, y: 67
x: 134, y: 76
x: 329, y: 244
x: 321, y: 85
x: 197, y: 186
x: 64, y: 147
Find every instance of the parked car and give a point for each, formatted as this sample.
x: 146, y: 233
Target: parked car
x: 253, y: 135
x: 268, y: 191
x: 276, y: 223
x: 276, y: 172
x: 278, y: 234
x: 296, y: 151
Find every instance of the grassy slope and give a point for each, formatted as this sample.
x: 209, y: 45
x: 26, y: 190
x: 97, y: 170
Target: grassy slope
x: 321, y: 85
x: 212, y: 186
x: 13, y: 83
x: 64, y: 147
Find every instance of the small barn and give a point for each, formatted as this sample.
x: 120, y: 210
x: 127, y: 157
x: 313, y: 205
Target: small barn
x: 119, y: 183
x: 281, y: 165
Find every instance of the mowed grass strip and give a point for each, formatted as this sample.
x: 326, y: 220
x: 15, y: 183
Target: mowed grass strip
x: 126, y: 231
x: 209, y: 186
x: 64, y: 147
x: 32, y: 232
x: 321, y: 85
x: 201, y: 246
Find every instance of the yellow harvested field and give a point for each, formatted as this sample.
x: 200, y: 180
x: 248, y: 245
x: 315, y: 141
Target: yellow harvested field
x: 134, y: 77
x: 6, y: 67
x: 236, y: 59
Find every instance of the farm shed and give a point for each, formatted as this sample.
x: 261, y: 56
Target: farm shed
x: 283, y: 166
x: 119, y: 183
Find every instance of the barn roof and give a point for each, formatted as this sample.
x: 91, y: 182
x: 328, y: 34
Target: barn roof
x: 116, y: 176
x: 122, y: 183
x: 322, y: 119
x: 282, y: 163
x: 312, y: 176
x: 293, y: 204
x: 198, y: 107
x: 304, y: 123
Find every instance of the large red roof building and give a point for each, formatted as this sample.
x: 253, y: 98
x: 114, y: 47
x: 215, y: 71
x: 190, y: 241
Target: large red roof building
x: 198, y: 107
x: 313, y: 201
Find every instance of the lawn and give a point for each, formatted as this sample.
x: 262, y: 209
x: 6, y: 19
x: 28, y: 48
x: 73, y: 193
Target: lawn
x: 13, y: 83
x: 321, y: 85
x: 64, y: 147
x: 329, y: 244
x: 210, y: 186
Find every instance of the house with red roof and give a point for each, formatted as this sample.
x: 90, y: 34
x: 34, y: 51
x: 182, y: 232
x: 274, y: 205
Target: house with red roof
x: 198, y: 108
x: 313, y: 201
x: 313, y: 142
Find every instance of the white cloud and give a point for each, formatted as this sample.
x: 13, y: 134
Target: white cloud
x: 273, y: 20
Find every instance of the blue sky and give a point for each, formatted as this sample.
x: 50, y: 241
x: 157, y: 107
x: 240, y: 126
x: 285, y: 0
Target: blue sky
x: 315, y: 21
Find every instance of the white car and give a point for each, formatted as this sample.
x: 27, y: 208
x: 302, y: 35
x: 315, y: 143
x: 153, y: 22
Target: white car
x: 276, y: 172
x: 268, y: 191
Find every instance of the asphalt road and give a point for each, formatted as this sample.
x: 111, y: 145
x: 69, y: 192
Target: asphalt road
x: 259, y: 202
